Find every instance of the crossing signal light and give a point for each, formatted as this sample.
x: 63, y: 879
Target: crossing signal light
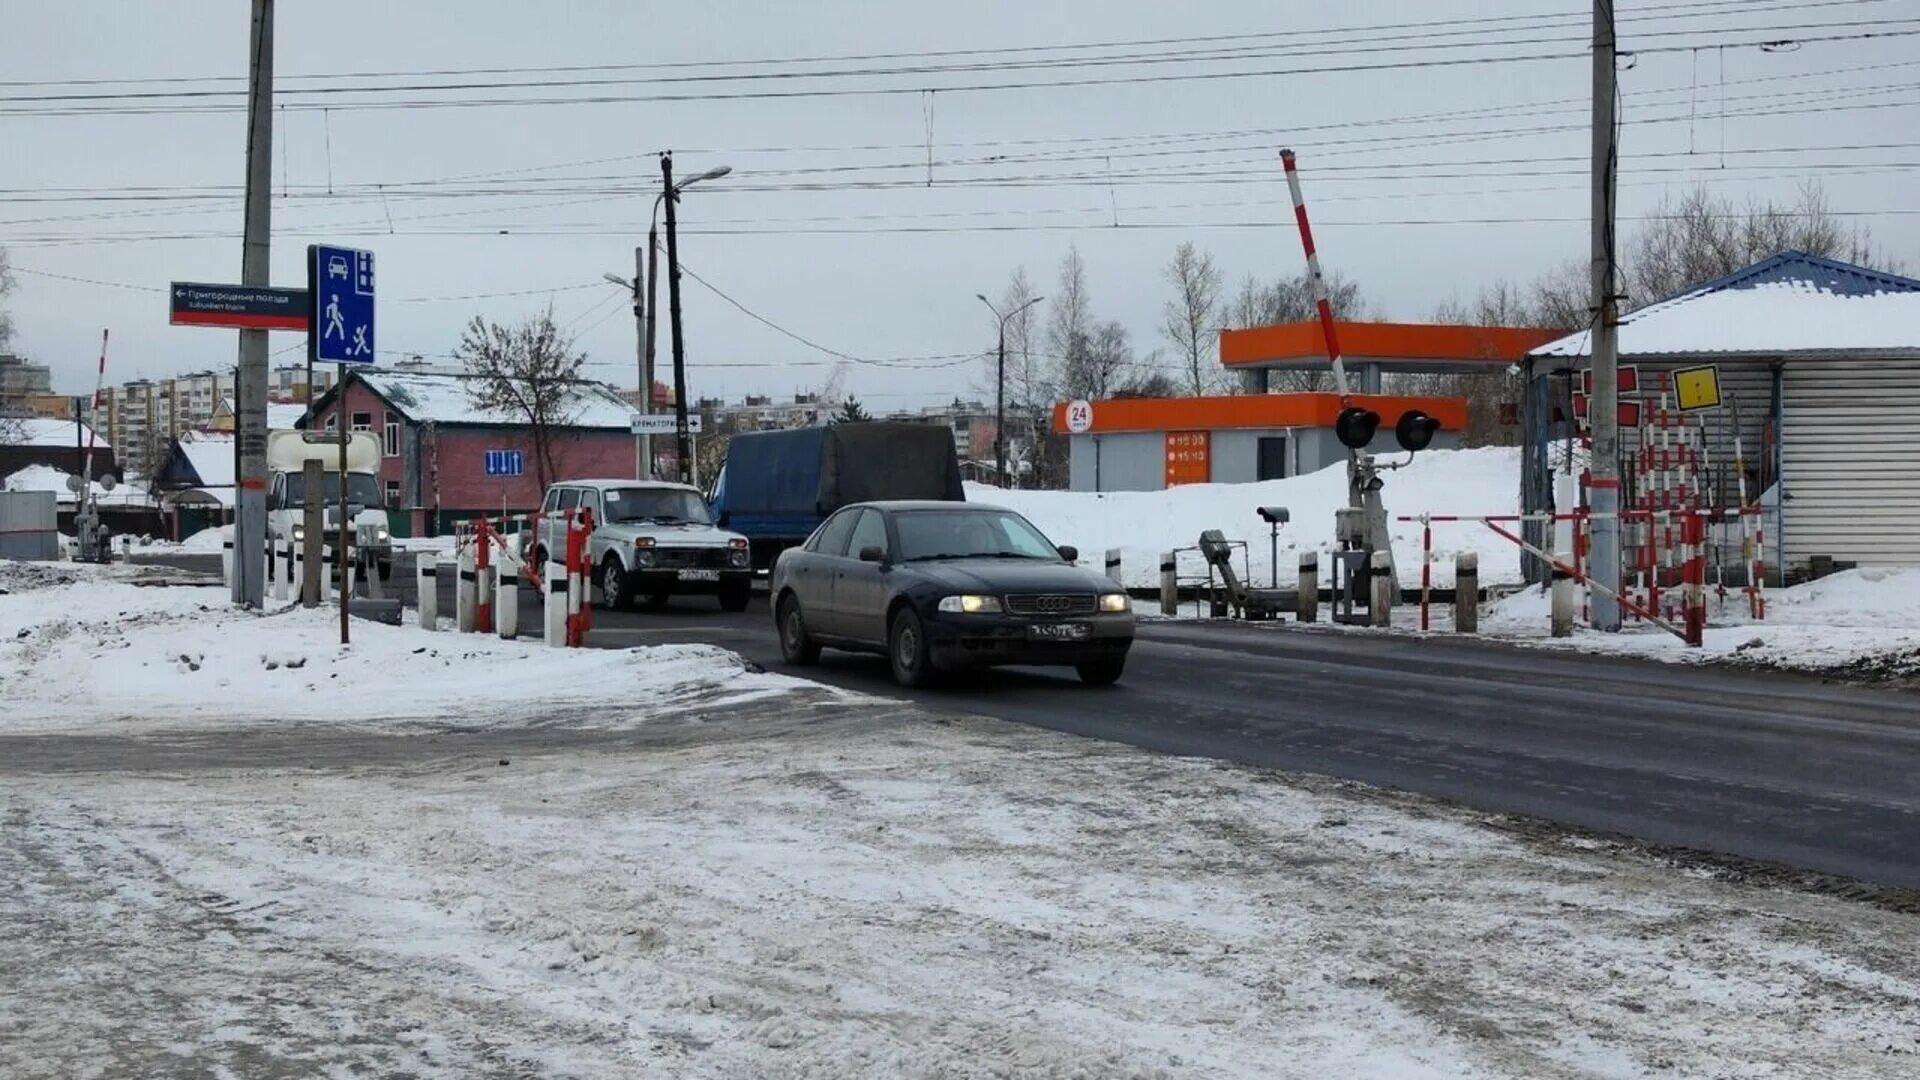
x: 1354, y: 427
x: 1415, y: 430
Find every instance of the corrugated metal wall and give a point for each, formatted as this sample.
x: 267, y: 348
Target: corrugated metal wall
x: 1849, y: 433
x: 27, y: 525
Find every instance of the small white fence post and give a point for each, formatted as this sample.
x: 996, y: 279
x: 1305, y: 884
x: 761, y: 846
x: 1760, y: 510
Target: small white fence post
x: 1307, y: 602
x: 1466, y: 592
x: 1169, y: 584
x: 1381, y: 606
x: 427, y: 572
x: 506, y: 598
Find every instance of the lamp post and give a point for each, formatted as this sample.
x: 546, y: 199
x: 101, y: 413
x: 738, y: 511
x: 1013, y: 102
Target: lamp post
x: 670, y: 193
x: 1000, y: 384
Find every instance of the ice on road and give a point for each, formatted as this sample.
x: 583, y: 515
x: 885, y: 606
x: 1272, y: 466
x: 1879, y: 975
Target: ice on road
x: 885, y: 894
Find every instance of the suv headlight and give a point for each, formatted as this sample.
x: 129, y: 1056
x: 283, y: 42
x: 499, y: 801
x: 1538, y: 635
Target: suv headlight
x: 299, y: 534
x: 1115, y: 602
x: 643, y: 557
x: 382, y: 535
x: 969, y: 604
x: 738, y: 557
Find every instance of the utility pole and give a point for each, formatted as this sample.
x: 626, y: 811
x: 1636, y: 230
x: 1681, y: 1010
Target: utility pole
x: 1000, y: 391
x: 250, y: 382
x: 1605, y: 406
x: 683, y: 440
x: 653, y: 316
x: 643, y: 348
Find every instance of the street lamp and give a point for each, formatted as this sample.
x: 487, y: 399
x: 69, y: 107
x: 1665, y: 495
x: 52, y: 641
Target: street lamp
x: 670, y: 194
x: 1000, y: 392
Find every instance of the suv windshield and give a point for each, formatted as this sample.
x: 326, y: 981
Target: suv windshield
x: 662, y: 505
x: 963, y: 534
x: 362, y: 489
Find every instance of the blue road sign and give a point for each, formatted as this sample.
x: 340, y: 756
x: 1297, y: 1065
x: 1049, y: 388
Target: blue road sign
x: 505, y: 463
x: 340, y: 287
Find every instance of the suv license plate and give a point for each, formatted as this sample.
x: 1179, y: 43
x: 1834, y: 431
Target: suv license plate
x: 699, y: 575
x: 1060, y: 631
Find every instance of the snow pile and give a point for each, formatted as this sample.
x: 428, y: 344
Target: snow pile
x: 210, y: 540
x: 1866, y: 620
x: 48, y: 478
x: 1144, y: 524
x: 86, y: 647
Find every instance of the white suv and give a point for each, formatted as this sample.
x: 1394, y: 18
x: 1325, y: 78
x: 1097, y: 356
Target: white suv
x: 650, y: 540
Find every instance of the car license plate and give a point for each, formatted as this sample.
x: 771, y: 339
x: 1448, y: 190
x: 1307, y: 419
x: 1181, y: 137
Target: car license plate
x: 699, y: 575
x: 1060, y: 632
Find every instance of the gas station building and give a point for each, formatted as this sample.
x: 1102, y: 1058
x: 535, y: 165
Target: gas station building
x: 1144, y: 444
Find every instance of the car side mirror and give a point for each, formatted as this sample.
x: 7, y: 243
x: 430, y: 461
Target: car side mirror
x: 1069, y: 552
x: 873, y: 553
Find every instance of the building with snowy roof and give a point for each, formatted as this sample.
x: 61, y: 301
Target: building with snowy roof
x: 1818, y: 370
x: 59, y: 444
x: 439, y: 462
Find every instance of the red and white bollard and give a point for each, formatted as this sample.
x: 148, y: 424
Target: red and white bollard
x: 579, y: 612
x: 1693, y: 532
x: 463, y: 591
x: 482, y: 577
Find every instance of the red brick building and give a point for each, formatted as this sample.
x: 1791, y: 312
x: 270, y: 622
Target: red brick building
x: 436, y: 445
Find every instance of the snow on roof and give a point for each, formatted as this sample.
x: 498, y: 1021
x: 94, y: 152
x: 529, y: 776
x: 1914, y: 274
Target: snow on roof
x: 39, y: 431
x: 211, y: 455
x: 1789, y: 304
x: 48, y: 478
x: 441, y: 396
x: 284, y: 417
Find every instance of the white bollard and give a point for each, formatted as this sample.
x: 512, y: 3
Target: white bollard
x: 325, y: 570
x: 299, y: 569
x: 1562, y: 616
x: 1307, y: 598
x: 427, y: 572
x: 1113, y: 567
x: 1466, y: 592
x: 464, y: 593
x: 1381, y: 602
x: 281, y: 572
x: 352, y: 576
x: 1169, y: 584
x: 226, y: 559
x: 506, y: 599
x: 554, y: 604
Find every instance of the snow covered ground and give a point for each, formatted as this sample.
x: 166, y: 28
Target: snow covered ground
x: 86, y: 647
x: 1143, y: 524
x: 895, y: 896
x: 1864, y: 621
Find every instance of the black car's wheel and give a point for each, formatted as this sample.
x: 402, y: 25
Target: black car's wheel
x: 796, y: 645
x: 907, y: 649
x: 735, y: 597
x: 616, y: 587
x: 1102, y: 672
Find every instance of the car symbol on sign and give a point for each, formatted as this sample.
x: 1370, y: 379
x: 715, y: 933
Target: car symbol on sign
x: 336, y: 266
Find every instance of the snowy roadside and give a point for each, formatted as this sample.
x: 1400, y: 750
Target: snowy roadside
x: 87, y: 648
x: 891, y: 896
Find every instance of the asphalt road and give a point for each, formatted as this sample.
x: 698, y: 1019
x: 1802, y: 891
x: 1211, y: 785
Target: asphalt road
x: 1773, y: 767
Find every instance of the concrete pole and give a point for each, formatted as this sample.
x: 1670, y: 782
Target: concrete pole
x: 1466, y: 592
x: 644, y: 469
x: 250, y: 384
x: 683, y: 440
x: 1307, y: 602
x: 313, y: 524
x: 1605, y: 406
x: 1380, y: 604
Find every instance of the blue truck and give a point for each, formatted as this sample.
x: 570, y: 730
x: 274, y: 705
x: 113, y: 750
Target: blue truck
x: 776, y: 487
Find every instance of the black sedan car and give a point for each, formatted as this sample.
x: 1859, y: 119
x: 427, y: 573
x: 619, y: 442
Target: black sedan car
x: 945, y: 586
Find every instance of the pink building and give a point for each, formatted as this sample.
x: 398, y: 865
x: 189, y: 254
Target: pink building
x: 446, y: 460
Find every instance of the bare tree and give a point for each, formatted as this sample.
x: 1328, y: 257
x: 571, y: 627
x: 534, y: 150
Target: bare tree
x: 1100, y: 360
x: 1190, y: 315
x: 528, y: 371
x: 1698, y: 237
x: 7, y: 285
x: 1290, y: 300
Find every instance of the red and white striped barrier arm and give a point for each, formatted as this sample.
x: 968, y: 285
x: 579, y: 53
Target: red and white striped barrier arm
x: 1320, y: 299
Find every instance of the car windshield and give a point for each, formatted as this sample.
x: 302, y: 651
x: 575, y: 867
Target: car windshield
x: 661, y: 505
x: 969, y: 534
x: 363, y: 489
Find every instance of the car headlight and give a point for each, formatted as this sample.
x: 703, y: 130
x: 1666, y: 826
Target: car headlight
x: 382, y: 535
x: 643, y: 557
x: 1115, y: 602
x: 968, y: 604
x: 299, y: 534
x: 738, y: 557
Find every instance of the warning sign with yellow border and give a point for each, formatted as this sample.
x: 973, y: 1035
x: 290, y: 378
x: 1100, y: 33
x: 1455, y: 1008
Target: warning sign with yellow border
x: 1697, y: 388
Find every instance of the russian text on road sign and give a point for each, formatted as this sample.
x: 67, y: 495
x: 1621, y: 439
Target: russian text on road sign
x: 505, y: 463
x: 1697, y: 388
x: 663, y: 423
x: 240, y: 307
x: 341, y: 305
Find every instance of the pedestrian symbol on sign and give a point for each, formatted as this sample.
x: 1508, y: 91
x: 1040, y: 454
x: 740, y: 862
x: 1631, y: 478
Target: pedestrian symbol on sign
x: 336, y: 326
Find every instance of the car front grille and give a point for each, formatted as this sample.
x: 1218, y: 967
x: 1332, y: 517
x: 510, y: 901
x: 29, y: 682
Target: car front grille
x: 1052, y: 603
x: 690, y: 558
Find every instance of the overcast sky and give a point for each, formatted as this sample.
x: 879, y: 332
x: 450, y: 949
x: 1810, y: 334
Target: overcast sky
x: 1405, y: 161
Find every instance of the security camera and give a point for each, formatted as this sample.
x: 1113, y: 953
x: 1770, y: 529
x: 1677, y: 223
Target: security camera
x: 1274, y: 515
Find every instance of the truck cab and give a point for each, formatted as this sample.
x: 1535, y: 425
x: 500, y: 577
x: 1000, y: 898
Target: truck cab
x: 367, y: 535
x: 650, y: 540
